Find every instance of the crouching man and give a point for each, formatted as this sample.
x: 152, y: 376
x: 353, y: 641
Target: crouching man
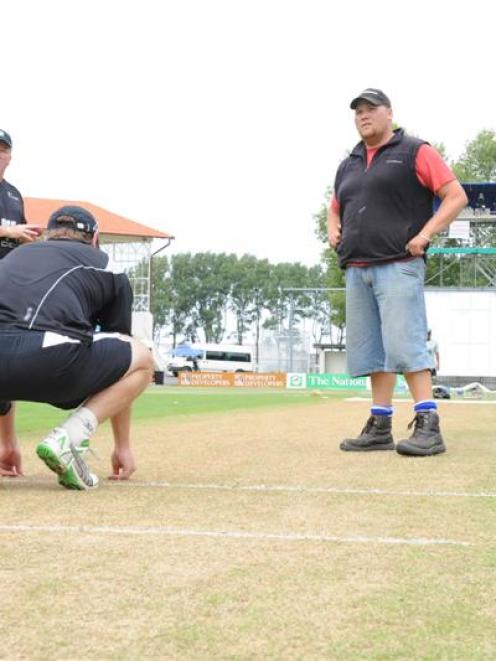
x: 54, y: 294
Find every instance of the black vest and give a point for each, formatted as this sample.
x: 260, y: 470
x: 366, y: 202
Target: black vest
x: 382, y: 206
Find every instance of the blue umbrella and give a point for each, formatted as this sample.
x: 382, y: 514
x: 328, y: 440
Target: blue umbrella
x: 185, y: 351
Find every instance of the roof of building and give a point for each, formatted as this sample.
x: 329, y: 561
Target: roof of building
x: 38, y: 210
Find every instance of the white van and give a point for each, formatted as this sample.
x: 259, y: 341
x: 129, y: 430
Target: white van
x: 214, y: 358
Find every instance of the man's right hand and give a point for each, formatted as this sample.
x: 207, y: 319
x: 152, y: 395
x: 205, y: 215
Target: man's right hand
x: 123, y: 464
x: 10, y: 462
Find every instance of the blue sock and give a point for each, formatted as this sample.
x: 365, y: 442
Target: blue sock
x: 425, y: 405
x: 382, y: 410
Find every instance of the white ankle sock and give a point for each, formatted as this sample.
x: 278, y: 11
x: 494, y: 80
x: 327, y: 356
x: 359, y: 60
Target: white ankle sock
x: 80, y: 425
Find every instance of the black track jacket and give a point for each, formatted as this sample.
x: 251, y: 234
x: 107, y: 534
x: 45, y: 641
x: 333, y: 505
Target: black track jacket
x: 63, y: 286
x: 11, y: 213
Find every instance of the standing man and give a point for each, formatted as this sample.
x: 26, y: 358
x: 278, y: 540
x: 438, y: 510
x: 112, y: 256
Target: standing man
x: 381, y: 222
x: 433, y: 349
x: 13, y: 232
x: 54, y: 294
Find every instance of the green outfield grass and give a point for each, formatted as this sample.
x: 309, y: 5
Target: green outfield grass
x: 166, y: 402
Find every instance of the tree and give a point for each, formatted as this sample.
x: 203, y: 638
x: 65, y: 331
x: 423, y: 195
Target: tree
x: 441, y: 148
x: 318, y: 305
x: 333, y: 275
x: 191, y: 293
x: 260, y: 297
x: 210, y: 282
x: 283, y: 299
x: 478, y: 161
x: 182, y: 297
x: 160, y: 292
x: 249, y: 295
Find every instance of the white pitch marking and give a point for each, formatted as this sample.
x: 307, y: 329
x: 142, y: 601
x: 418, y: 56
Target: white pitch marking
x: 300, y: 489
x: 442, y: 401
x: 226, y: 534
x: 261, y: 488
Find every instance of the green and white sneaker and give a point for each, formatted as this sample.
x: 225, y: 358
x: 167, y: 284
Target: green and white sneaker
x: 64, y: 458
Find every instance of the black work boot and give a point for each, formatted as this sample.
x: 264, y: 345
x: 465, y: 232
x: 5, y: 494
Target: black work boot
x: 376, y: 435
x: 426, y: 438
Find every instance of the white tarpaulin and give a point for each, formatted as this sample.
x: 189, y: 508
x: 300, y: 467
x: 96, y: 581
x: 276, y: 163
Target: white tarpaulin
x: 464, y: 325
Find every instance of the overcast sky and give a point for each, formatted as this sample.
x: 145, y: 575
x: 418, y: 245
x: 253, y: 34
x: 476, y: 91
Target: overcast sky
x: 223, y: 121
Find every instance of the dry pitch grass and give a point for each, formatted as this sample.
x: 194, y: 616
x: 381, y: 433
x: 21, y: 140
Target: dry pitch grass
x: 129, y: 572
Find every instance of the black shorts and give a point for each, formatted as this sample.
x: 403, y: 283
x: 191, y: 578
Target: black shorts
x: 46, y: 367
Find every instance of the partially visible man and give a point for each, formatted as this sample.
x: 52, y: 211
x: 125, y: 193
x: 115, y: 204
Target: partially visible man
x: 433, y: 349
x: 54, y: 294
x: 13, y: 231
x: 381, y: 222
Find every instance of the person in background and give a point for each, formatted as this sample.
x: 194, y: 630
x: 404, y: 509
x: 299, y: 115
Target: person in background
x: 14, y: 230
x: 433, y: 349
x: 381, y: 222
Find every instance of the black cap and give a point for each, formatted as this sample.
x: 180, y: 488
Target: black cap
x: 371, y: 95
x: 5, y: 137
x: 77, y: 217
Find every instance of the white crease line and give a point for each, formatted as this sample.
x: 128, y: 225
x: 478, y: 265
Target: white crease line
x: 443, y: 401
x: 300, y: 489
x: 261, y: 488
x: 225, y: 534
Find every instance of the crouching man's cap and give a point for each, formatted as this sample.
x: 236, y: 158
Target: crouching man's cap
x: 75, y: 217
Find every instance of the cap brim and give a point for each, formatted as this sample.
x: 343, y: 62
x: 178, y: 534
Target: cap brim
x: 369, y: 99
x: 6, y: 142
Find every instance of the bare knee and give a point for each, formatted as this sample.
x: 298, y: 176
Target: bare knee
x: 141, y: 357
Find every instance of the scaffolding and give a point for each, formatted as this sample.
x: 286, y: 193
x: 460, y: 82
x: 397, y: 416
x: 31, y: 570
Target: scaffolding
x: 133, y: 258
x: 473, y: 257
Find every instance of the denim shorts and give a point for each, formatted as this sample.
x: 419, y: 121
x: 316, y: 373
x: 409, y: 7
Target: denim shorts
x: 386, y: 325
